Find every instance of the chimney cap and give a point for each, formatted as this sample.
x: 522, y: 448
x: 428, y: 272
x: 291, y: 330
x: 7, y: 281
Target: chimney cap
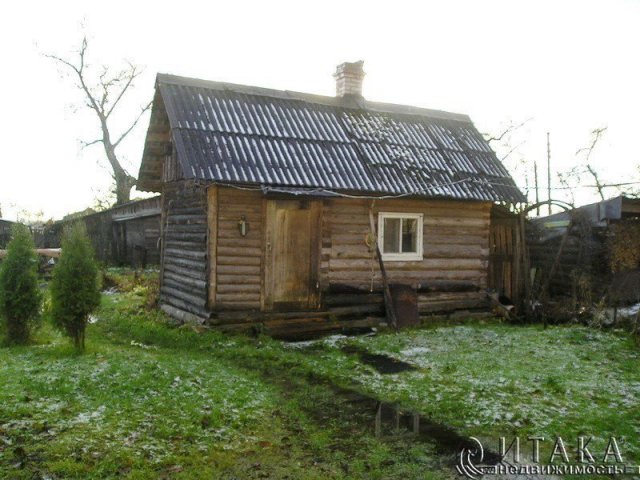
x: 349, y: 76
x: 350, y: 67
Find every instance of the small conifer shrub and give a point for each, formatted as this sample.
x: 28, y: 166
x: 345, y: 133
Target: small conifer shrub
x: 20, y: 297
x: 74, y: 286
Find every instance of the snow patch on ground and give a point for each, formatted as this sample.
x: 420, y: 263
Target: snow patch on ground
x: 629, y: 311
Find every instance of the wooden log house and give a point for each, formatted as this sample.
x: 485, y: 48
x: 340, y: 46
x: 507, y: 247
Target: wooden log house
x: 268, y: 197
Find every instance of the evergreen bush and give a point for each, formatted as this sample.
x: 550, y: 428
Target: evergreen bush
x: 74, y: 286
x: 20, y: 296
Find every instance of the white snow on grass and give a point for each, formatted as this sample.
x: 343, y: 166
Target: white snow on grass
x: 499, y: 378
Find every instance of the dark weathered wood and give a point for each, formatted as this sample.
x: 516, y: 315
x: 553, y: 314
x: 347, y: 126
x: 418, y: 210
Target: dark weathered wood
x: 180, y: 262
x: 184, y: 248
x: 195, y: 255
x: 185, y: 280
x: 351, y: 299
x: 170, y: 288
x: 356, y: 309
x: 181, y: 315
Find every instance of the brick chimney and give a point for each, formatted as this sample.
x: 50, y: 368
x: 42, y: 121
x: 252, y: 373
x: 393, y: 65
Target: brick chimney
x: 349, y: 77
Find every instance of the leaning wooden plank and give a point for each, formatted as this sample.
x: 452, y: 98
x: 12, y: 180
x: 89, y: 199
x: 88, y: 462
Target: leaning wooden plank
x: 391, y: 315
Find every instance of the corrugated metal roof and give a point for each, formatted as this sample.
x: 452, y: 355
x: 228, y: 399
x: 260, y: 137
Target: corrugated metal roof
x: 237, y: 134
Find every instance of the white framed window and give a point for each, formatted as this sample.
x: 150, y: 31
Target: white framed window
x: 400, y: 236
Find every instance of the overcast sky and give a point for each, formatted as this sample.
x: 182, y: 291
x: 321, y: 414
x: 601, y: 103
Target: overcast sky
x: 566, y: 67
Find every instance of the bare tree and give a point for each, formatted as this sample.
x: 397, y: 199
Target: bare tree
x: 596, y: 134
x: 507, y: 144
x: 573, y: 178
x: 103, y: 92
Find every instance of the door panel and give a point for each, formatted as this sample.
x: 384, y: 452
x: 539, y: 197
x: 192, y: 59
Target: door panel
x: 291, y: 255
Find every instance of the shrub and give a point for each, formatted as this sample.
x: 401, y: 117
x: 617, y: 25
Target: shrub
x: 19, y: 294
x: 74, y: 286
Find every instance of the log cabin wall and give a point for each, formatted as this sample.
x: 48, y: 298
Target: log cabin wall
x: 183, y: 291
x: 238, y: 259
x: 451, y: 276
x: 453, y: 271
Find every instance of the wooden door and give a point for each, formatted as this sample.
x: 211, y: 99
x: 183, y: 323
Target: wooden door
x: 292, y: 252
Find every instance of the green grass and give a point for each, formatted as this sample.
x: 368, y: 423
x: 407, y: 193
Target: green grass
x: 148, y: 400
x: 497, y: 380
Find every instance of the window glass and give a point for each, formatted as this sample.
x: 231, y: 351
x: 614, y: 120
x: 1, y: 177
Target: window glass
x: 409, y: 235
x: 400, y: 236
x: 392, y: 235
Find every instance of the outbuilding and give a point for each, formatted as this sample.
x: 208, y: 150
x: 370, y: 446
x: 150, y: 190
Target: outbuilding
x: 275, y: 203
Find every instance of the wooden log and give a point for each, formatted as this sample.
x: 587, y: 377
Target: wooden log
x: 239, y: 288
x: 187, y: 219
x: 200, y: 266
x: 182, y: 305
x: 224, y: 250
x: 187, y: 254
x: 448, y: 286
x: 239, y: 279
x: 239, y: 270
x: 195, y: 300
x: 181, y: 315
x: 355, y: 309
x: 351, y: 299
x: 258, y: 315
x: 187, y: 228
x: 184, y: 245
x: 185, y: 272
x: 185, y: 280
x: 192, y: 238
x: 239, y: 261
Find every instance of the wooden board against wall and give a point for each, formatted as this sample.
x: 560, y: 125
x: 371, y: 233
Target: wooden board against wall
x: 501, y: 260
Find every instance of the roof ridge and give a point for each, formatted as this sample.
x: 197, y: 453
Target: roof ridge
x: 347, y: 103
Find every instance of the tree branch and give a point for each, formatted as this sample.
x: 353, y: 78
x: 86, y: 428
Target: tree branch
x: 511, y: 128
x: 128, y: 130
x: 88, y: 144
x: 131, y: 75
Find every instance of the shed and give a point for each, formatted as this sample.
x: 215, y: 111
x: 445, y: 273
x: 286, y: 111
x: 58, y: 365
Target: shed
x: 583, y: 241
x: 5, y: 232
x: 126, y: 234
x: 273, y: 204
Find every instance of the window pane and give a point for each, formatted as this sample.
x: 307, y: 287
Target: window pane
x: 391, y: 233
x: 409, y: 235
